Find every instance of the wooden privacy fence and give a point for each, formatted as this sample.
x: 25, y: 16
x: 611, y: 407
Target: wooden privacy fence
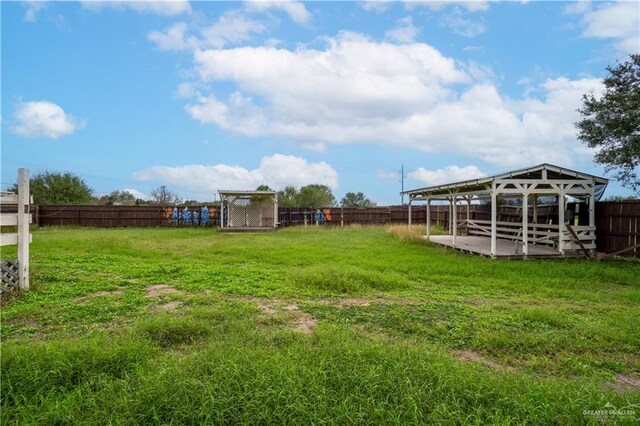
x: 616, y: 222
x: 339, y: 216
x: 125, y: 216
x: 617, y: 226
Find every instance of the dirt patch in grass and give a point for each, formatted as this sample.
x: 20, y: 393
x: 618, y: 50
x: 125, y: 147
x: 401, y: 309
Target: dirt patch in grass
x: 161, y: 290
x: 624, y: 383
x: 300, y: 320
x: 171, y: 306
x: 359, y: 302
x: 468, y: 355
x: 267, y: 309
x: 305, y: 323
x: 84, y: 299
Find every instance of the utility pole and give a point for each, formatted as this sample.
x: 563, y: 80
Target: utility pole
x: 402, y: 176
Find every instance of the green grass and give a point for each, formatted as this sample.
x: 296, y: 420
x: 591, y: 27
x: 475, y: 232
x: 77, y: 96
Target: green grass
x: 307, y: 325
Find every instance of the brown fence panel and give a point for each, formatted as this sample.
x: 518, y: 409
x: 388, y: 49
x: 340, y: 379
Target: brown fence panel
x: 617, y: 226
x: 117, y: 216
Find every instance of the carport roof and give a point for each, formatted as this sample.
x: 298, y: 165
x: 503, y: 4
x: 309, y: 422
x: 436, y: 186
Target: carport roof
x: 531, y: 173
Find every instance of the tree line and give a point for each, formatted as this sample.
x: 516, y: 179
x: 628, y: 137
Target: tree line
x: 67, y: 188
x: 316, y: 195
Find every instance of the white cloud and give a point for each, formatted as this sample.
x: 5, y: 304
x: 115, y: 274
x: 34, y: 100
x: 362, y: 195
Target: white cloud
x: 157, y: 7
x: 473, y: 48
x: 272, y: 42
x: 386, y: 174
x: 186, y: 90
x: 404, y: 32
x: 33, y: 8
x: 445, y: 175
x: 172, y: 39
x: 138, y: 194
x: 618, y: 21
x: 277, y: 171
x: 357, y: 90
x: 295, y: 9
x: 461, y: 25
x: 231, y: 27
x: 43, y: 119
x: 377, y: 6
x: 470, y: 6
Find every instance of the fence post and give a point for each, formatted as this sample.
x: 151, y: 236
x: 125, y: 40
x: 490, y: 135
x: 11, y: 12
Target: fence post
x: 23, y: 229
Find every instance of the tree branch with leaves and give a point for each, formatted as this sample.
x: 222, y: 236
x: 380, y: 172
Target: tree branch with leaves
x: 611, y: 123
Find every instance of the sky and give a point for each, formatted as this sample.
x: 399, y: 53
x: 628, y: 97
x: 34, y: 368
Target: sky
x: 202, y: 96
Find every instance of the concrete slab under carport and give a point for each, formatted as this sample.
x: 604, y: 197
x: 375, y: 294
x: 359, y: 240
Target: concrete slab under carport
x: 504, y: 248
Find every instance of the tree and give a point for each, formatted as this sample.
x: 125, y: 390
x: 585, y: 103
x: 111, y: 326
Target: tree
x: 118, y: 198
x: 353, y: 199
x: 612, y: 123
x: 264, y: 188
x: 58, y: 188
x: 315, y: 196
x: 163, y: 196
x: 288, y: 197
x: 308, y: 196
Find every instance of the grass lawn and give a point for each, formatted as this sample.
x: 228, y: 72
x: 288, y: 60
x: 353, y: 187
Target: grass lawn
x: 300, y: 326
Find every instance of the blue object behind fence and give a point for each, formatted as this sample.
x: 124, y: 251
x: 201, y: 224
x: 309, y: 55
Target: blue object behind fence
x: 204, y: 215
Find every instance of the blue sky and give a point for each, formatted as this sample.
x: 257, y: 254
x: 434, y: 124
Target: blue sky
x: 201, y: 96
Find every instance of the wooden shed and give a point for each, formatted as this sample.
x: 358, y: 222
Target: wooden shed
x: 248, y: 210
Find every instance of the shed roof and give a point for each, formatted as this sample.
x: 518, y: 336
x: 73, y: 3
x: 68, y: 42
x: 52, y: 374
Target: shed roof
x: 535, y: 172
x: 248, y: 193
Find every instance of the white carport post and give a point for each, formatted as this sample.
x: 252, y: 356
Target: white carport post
x: 494, y: 213
x: 450, y: 214
x: 535, y: 218
x: 525, y: 223
x: 455, y: 221
x: 409, y: 221
x: 428, y: 217
x: 561, y: 222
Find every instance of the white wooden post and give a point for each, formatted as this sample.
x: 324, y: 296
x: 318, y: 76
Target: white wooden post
x: 450, y: 214
x: 455, y: 221
x: 468, y: 210
x: 23, y: 229
x: 276, y: 217
x: 221, y: 212
x: 525, y: 223
x: 494, y: 213
x: 409, y: 221
x: 428, y: 218
x: 561, y: 222
x: 535, y: 217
